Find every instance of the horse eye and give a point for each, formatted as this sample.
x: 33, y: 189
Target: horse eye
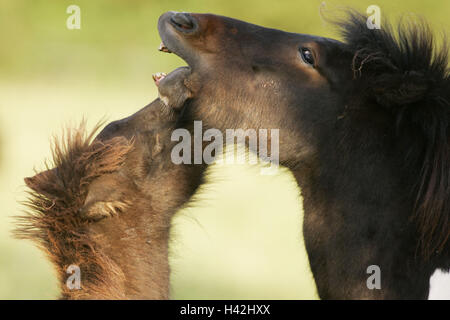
x: 307, y: 56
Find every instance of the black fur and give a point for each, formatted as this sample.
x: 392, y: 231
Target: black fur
x: 364, y: 129
x: 404, y: 73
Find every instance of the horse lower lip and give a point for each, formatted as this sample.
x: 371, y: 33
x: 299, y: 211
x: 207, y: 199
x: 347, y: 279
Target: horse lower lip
x: 157, y: 77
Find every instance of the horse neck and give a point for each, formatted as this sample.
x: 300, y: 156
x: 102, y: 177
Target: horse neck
x: 129, y: 259
x: 129, y: 255
x: 358, y: 207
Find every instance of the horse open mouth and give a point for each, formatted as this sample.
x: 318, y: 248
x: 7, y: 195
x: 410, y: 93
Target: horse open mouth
x: 172, y: 27
x: 159, y: 76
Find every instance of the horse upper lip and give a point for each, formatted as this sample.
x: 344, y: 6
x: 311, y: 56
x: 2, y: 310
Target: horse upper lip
x: 163, y: 48
x: 173, y: 40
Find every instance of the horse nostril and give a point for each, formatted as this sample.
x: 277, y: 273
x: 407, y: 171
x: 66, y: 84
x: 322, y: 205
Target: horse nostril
x: 183, y: 20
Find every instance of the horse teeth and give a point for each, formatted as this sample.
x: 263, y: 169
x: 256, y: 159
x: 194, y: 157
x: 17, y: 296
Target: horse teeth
x: 163, y: 48
x: 157, y: 77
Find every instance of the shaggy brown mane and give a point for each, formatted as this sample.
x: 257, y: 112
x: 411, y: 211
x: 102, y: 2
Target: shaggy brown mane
x: 404, y: 72
x: 53, y: 221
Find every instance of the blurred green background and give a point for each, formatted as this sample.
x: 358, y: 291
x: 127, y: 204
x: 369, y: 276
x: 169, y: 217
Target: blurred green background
x: 242, y: 239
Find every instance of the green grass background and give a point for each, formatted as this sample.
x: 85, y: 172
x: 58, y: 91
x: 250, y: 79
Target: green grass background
x: 242, y: 238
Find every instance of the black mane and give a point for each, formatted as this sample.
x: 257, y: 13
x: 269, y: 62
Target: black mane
x: 403, y: 71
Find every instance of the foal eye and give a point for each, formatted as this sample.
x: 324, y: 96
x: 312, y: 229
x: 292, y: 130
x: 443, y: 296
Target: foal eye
x: 307, y: 56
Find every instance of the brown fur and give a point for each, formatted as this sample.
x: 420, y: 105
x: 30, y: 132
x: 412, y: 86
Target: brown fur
x: 106, y: 207
x: 54, y: 222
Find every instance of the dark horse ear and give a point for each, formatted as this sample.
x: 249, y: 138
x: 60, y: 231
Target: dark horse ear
x: 405, y: 74
x: 396, y: 69
x: 397, y: 89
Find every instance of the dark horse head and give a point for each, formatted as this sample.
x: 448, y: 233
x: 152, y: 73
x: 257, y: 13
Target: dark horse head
x: 364, y: 126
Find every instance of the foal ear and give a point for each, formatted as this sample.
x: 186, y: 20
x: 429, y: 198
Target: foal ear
x: 108, y: 196
x: 42, y: 182
x: 31, y: 182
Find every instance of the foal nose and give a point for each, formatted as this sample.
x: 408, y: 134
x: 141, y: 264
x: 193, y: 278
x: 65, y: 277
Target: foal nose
x: 184, y: 21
